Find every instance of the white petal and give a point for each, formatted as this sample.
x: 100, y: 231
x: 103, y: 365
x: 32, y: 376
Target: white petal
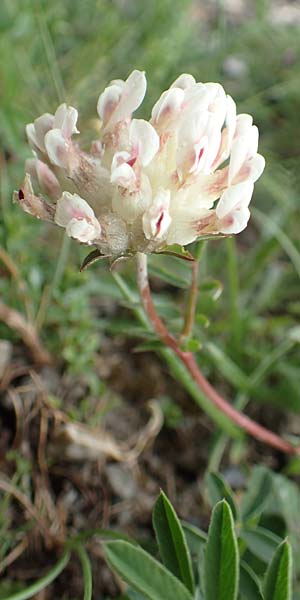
x: 217, y: 102
x: 243, y: 123
x: 168, y: 105
x: 157, y: 219
x: 119, y: 158
x: 31, y: 136
x: 238, y: 155
x: 72, y: 206
x: 108, y: 101
x: 42, y: 125
x: 124, y: 176
x: 253, y: 141
x: 83, y: 231
x: 230, y: 122
x: 257, y: 165
x: 132, y: 204
x: 57, y: 148
x: 244, y: 147
x: 233, y: 198
x: 236, y: 222
x: 184, y: 81
x: 132, y: 96
x: 75, y: 214
x: 65, y: 119
x: 213, y: 134
x: 144, y: 140
x: 232, y: 209
x: 36, y: 131
x: 191, y: 142
x: 47, y: 180
x: 251, y: 169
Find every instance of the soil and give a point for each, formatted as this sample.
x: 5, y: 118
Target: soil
x: 81, y: 477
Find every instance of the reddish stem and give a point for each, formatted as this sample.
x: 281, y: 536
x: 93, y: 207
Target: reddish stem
x: 254, y: 429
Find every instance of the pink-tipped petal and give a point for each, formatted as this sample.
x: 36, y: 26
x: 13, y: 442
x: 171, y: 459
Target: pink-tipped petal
x: 108, y: 101
x: 48, y: 182
x: 65, y: 119
x: 232, y: 209
x: 57, y: 148
x: 76, y: 215
x: 124, y: 176
x: 144, y: 140
x: 157, y: 220
x: 42, y: 125
x: 167, y: 106
x: 34, y: 205
x: 132, y: 96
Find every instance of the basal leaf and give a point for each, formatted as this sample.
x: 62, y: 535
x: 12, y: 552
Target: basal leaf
x: 143, y: 573
x: 261, y: 542
x: 249, y: 583
x: 278, y: 578
x: 218, y: 488
x: 258, y: 492
x: 195, y: 537
x: 221, y: 574
x: 171, y: 541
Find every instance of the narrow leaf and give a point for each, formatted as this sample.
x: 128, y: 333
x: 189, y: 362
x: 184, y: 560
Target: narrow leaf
x: 144, y: 573
x: 261, y: 542
x: 278, y: 578
x: 171, y: 541
x: 249, y: 583
x: 195, y: 537
x: 177, y: 251
x: 258, y: 493
x: 221, y: 575
x: 218, y: 488
x: 86, y: 571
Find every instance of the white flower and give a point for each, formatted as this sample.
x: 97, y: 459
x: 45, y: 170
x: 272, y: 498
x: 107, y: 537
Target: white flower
x: 74, y: 213
x: 188, y: 172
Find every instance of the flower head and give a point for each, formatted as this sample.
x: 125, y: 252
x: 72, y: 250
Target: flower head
x: 187, y: 172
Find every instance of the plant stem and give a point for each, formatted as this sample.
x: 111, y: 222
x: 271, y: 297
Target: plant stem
x: 251, y: 427
x: 191, y: 306
x: 178, y: 369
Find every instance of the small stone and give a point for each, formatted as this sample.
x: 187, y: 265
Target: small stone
x: 121, y: 481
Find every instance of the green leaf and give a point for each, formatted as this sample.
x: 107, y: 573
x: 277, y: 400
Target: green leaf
x: 278, y: 578
x: 177, y: 251
x: 133, y: 595
x: 171, y: 270
x: 258, y: 493
x: 195, y: 537
x: 171, y: 541
x: 249, y: 583
x: 231, y: 371
x: 39, y: 585
x: 221, y: 574
x: 143, y: 572
x: 86, y: 570
x: 261, y: 542
x: 92, y: 258
x: 218, y: 488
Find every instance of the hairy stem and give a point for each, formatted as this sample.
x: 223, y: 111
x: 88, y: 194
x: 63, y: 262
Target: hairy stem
x: 251, y: 427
